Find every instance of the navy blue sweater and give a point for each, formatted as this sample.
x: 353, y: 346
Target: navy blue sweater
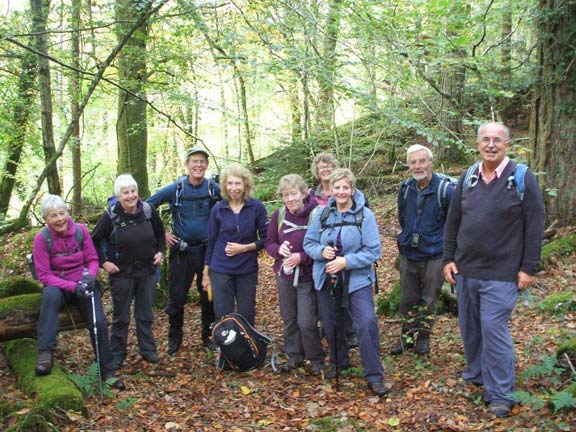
x: 490, y: 233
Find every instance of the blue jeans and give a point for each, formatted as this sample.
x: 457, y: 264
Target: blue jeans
x: 123, y: 290
x: 484, y: 311
x: 53, y: 299
x: 234, y: 293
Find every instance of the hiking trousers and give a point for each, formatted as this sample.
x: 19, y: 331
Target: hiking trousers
x: 53, y: 299
x: 123, y: 290
x: 234, y: 293
x: 484, y: 311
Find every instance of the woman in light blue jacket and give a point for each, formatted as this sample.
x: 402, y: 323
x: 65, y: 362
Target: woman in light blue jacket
x: 343, y: 240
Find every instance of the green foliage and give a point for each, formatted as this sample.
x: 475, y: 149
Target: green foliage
x: 559, y: 303
x: 19, y: 285
x: 330, y: 424
x: 563, y: 400
x: 127, y: 403
x: 88, y: 384
x: 388, y: 303
x: 560, y: 247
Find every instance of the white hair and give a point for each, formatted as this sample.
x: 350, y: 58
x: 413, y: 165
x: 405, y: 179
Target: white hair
x: 52, y: 202
x: 124, y: 181
x: 416, y: 148
x: 503, y: 126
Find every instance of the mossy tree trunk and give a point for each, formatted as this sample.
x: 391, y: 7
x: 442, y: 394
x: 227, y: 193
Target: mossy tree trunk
x: 553, y: 117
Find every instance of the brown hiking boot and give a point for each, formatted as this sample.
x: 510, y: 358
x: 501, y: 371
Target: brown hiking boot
x: 45, y: 362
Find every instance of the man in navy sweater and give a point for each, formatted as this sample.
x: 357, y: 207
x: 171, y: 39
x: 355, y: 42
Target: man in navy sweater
x: 492, y: 245
x: 421, y: 215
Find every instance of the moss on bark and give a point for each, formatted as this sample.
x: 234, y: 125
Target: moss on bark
x: 51, y: 391
x: 19, y: 285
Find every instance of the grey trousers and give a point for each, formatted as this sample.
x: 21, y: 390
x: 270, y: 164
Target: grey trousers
x: 298, y: 307
x: 420, y: 286
x: 123, y: 290
x: 484, y: 311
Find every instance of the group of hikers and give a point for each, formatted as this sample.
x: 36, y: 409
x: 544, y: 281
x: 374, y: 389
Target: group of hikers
x: 482, y: 234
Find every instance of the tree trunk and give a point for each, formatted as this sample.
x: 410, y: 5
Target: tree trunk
x: 17, y: 136
x: 327, y: 70
x: 39, y: 9
x: 505, y: 103
x: 75, y: 86
x: 131, y: 127
x: 19, y: 315
x: 553, y: 121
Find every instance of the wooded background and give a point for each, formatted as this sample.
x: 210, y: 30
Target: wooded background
x: 95, y: 88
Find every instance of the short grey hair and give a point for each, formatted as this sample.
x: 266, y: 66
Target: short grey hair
x: 124, y: 181
x: 52, y: 202
x: 416, y: 148
x: 502, y: 125
x: 343, y: 174
x: 292, y: 181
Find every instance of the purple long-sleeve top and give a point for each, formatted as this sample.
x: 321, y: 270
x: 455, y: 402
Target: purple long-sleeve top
x: 276, y: 236
x: 62, y: 267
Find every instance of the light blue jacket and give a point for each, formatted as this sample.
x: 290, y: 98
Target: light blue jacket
x: 360, y: 245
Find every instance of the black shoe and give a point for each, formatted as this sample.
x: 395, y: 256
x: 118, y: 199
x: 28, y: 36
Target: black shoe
x: 151, y: 357
x: 115, y: 383
x: 173, y: 346
x: 400, y: 347
x: 499, y: 410
x: 422, y: 345
x: 331, y: 372
x: 379, y: 388
x: 352, y: 341
x: 317, y: 369
x: 45, y: 362
x: 290, y: 365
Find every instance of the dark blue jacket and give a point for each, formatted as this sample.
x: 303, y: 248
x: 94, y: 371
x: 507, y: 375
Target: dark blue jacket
x: 420, y: 214
x: 190, y: 220
x: 248, y: 226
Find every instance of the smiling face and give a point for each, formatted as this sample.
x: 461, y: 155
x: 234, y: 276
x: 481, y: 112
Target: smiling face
x: 293, y: 199
x: 324, y: 171
x: 196, y: 165
x: 420, y: 165
x: 342, y: 192
x: 128, y: 199
x: 57, y: 219
x: 493, y: 143
x: 235, y: 188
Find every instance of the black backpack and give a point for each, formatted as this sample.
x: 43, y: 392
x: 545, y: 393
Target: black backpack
x: 241, y: 346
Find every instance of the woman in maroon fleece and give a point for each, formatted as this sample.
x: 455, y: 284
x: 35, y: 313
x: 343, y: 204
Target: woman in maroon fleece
x: 66, y: 264
x: 293, y: 268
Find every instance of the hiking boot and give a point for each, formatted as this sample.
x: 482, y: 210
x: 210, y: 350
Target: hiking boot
x: 379, y: 388
x: 290, y: 365
x: 117, y: 363
x: 150, y: 357
x: 400, y: 347
x: 317, y: 368
x: 499, y: 410
x: 422, y: 345
x: 45, y: 362
x: 173, y: 345
x: 332, y: 372
x: 115, y: 383
x: 352, y: 341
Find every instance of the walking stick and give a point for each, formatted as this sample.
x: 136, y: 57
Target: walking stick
x: 97, y: 346
x: 334, y: 285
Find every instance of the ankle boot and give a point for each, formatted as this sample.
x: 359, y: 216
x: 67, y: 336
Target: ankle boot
x: 422, y: 345
x: 45, y: 362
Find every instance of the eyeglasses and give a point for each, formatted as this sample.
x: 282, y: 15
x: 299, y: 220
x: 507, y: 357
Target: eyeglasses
x: 198, y: 161
x: 290, y: 195
x: 325, y: 167
x: 487, y: 140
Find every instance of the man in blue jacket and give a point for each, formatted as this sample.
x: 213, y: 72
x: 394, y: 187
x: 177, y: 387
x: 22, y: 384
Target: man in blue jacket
x: 423, y: 202
x: 190, y: 198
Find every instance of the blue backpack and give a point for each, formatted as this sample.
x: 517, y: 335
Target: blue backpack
x: 517, y: 179
x: 445, y: 182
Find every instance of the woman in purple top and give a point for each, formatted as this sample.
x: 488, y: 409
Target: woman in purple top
x: 66, y: 263
x: 293, y: 268
x: 236, y: 232
x: 321, y: 168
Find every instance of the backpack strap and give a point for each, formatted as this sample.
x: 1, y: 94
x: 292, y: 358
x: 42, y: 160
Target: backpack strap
x: 147, y: 209
x: 78, y: 236
x: 48, y: 239
x: 404, y: 186
x: 471, y: 176
x: 519, y: 179
x: 358, y: 220
x: 179, y: 191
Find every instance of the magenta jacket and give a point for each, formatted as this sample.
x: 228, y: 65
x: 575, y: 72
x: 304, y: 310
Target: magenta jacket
x: 60, y: 268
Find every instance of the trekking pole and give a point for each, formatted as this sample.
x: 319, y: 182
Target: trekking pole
x: 333, y: 284
x: 96, y: 345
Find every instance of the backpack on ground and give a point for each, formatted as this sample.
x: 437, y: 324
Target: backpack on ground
x: 241, y: 346
x: 517, y: 178
x: 78, y: 236
x: 441, y: 194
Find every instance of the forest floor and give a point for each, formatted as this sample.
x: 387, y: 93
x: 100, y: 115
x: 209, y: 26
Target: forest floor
x: 185, y: 392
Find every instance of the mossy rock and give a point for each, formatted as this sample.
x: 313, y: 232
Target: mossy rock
x: 558, y: 248
x: 389, y: 304
x: 21, y: 306
x: 559, y: 303
x: 19, y: 285
x: 52, y: 391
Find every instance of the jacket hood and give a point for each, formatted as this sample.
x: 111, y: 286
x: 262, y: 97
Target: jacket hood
x: 358, y: 198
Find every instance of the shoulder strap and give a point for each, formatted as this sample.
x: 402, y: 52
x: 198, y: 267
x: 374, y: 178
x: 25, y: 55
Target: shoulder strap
x: 147, y: 209
x: 281, y: 216
x: 404, y: 186
x: 48, y: 239
x: 324, y: 217
x: 468, y: 176
x: 79, y: 235
x: 441, y: 195
x: 519, y: 179
x: 179, y: 190
x: 358, y: 220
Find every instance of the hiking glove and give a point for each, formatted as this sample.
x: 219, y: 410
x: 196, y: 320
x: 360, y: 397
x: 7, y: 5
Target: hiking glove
x: 81, y: 290
x: 89, y: 282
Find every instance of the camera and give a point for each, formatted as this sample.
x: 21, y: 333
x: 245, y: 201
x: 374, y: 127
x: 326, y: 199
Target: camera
x: 414, y: 240
x: 181, y: 245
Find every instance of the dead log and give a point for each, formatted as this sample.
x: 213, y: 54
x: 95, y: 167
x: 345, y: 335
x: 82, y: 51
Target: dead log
x: 19, y: 315
x: 54, y: 391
